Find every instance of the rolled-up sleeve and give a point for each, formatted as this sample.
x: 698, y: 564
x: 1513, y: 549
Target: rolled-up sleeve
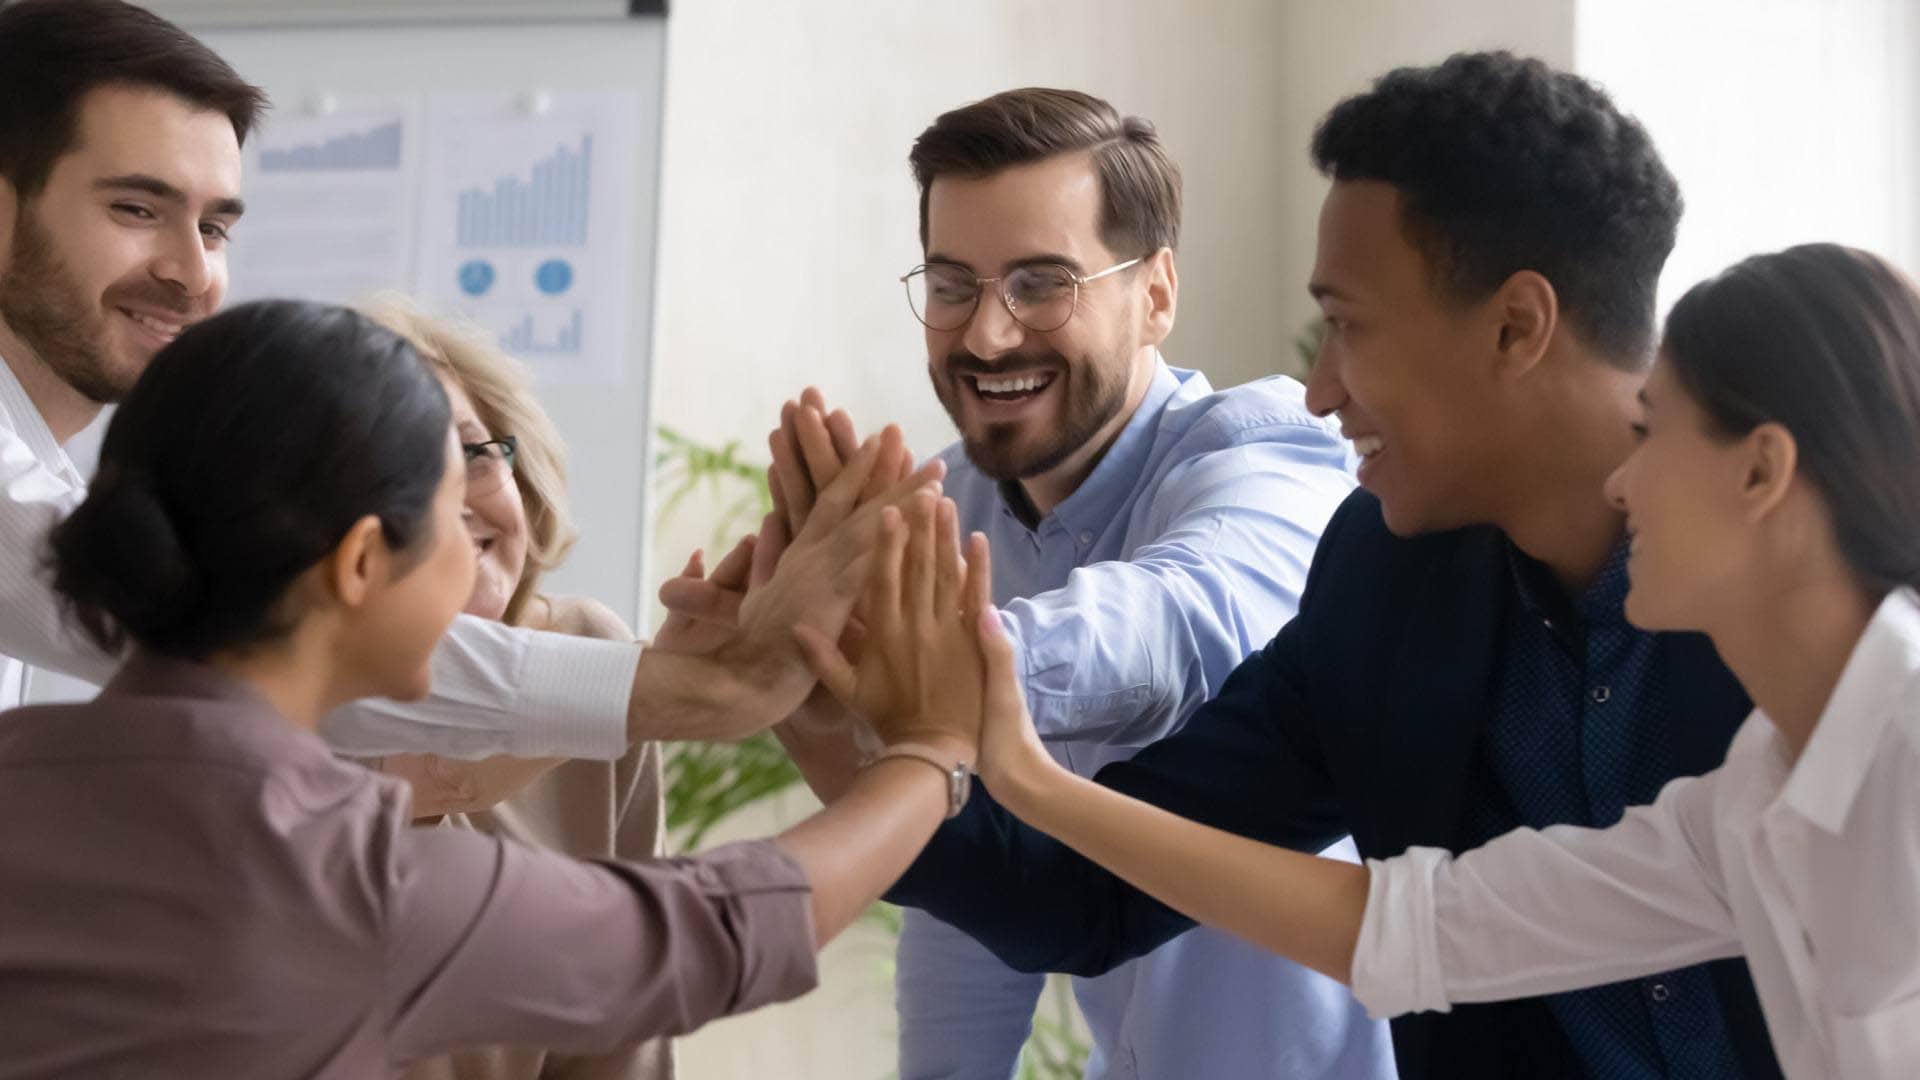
x: 490, y: 942
x: 502, y: 690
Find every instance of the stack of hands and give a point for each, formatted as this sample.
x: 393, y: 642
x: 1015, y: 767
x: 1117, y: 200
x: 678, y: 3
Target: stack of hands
x: 858, y: 602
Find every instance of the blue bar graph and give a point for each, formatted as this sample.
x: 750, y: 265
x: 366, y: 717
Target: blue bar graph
x: 359, y: 151
x: 520, y: 338
x: 547, y: 210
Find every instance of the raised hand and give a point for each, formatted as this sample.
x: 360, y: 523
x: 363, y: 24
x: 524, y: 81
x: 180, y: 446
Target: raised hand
x: 809, y: 449
x: 703, y: 609
x: 1010, y: 748
x: 919, y: 676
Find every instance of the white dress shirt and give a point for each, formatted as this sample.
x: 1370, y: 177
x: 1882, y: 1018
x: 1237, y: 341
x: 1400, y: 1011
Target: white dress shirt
x: 496, y: 689
x: 1812, y: 869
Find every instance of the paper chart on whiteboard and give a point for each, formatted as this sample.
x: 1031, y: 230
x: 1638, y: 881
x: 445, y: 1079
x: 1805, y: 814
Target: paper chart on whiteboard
x: 526, y: 226
x: 330, y: 203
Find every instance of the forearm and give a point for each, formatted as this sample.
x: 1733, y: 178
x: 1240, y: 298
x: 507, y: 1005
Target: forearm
x: 1304, y: 907
x: 861, y: 843
x: 678, y: 697
x: 818, y: 738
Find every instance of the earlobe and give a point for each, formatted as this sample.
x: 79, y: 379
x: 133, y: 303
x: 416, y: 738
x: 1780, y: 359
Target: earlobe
x: 1529, y: 311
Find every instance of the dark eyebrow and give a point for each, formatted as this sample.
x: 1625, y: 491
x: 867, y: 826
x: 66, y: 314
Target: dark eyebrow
x: 160, y: 189
x: 1030, y: 260
x: 1054, y: 260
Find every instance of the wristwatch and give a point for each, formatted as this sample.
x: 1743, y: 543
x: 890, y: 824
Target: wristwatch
x: 959, y: 776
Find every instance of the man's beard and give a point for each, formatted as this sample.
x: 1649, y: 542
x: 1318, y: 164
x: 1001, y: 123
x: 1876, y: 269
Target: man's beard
x: 1095, y: 395
x: 45, y: 305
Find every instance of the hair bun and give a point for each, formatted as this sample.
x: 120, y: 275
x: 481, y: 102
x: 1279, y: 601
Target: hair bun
x: 119, y: 560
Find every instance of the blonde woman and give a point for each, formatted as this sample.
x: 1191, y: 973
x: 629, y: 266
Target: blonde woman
x: 518, y: 517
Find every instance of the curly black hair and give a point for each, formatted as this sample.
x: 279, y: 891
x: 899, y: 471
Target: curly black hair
x: 1502, y: 165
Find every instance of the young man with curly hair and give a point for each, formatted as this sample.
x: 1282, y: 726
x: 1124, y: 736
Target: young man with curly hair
x: 1460, y: 664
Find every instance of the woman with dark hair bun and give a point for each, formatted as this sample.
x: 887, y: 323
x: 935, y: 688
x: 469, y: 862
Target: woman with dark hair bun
x: 191, y: 884
x: 1773, y: 504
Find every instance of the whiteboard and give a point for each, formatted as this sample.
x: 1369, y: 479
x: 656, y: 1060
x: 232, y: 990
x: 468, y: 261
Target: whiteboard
x: 607, y: 427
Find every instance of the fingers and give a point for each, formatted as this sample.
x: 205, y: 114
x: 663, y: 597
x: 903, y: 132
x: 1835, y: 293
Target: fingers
x: 881, y: 609
x: 816, y: 447
x: 838, y: 500
x: 767, y: 549
x: 735, y: 569
x: 917, y: 586
x: 978, y: 595
x: 839, y: 425
x: 894, y: 464
x: 696, y: 565
x: 700, y: 600
x: 778, y: 492
x: 827, y: 664
x: 794, y: 486
x: 948, y: 566
x: 1004, y: 700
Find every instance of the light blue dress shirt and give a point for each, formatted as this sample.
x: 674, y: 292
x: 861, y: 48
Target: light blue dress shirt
x: 1183, y: 551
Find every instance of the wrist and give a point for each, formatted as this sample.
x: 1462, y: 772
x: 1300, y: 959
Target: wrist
x: 945, y: 743
x: 1024, y: 777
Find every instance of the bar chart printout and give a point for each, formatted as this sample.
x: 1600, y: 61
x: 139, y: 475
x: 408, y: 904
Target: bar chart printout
x: 331, y: 212
x: 526, y: 224
x: 549, y: 210
x: 361, y: 151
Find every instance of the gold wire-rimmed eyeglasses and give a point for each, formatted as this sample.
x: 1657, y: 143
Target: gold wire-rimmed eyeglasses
x: 1040, y: 296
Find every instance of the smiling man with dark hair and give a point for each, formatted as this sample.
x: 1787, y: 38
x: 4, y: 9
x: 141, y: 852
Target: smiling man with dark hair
x: 1149, y: 531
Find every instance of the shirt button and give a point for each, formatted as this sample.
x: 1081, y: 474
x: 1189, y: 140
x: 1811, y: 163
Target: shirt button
x: 1659, y: 992
x: 1601, y: 694
x: 1086, y: 538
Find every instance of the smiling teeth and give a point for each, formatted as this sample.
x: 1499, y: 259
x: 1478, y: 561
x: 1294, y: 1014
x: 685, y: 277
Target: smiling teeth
x: 1368, y: 445
x: 155, y: 325
x: 1011, y: 386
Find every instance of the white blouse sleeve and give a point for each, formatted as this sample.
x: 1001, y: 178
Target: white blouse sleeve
x: 1537, y: 912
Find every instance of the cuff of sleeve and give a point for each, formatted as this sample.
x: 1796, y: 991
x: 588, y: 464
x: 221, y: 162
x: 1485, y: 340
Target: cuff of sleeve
x: 775, y: 908
x: 1396, y: 962
x: 579, y: 689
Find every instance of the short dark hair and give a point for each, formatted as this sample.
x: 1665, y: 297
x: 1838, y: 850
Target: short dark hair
x: 1503, y: 165
x: 54, y: 52
x: 243, y: 455
x: 1139, y: 183
x: 1825, y: 341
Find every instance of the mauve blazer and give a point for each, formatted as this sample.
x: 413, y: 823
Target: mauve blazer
x: 191, y: 886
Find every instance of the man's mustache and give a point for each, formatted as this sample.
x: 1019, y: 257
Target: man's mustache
x: 965, y: 363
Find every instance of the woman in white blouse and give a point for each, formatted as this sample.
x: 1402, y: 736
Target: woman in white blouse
x: 1773, y: 503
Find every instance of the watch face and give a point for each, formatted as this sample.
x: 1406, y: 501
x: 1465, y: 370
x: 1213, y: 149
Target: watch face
x: 958, y: 783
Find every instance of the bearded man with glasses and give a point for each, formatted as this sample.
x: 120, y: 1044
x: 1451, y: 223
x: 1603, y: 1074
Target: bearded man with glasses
x: 1148, y: 533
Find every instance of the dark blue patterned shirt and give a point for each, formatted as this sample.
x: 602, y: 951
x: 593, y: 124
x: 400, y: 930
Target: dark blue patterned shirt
x: 1579, y: 734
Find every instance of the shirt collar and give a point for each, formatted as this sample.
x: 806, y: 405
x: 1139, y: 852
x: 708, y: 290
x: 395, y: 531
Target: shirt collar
x: 1603, y: 601
x: 31, y: 427
x: 1876, y: 685
x: 1117, y: 474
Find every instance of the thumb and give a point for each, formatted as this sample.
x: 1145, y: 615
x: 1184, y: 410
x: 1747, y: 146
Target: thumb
x: 1003, y: 698
x: 826, y: 663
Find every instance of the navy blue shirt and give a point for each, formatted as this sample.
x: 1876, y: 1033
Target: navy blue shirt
x: 1579, y: 733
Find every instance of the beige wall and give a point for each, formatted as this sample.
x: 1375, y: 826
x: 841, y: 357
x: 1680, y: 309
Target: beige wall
x: 788, y: 213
